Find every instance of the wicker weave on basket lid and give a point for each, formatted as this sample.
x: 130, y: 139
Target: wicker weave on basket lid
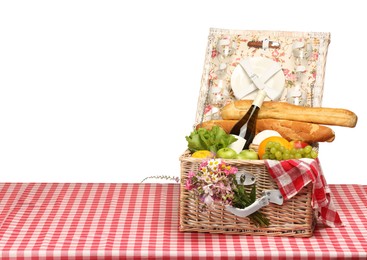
x: 294, y: 218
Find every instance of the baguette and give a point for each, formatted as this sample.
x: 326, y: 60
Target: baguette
x: 296, y: 130
x: 227, y: 125
x: 290, y: 130
x: 282, y: 110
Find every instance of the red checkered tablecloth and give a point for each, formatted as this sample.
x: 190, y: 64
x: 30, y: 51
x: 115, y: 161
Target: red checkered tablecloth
x: 105, y: 220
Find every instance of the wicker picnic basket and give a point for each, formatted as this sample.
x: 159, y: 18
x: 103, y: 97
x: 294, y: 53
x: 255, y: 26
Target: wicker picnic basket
x: 296, y: 217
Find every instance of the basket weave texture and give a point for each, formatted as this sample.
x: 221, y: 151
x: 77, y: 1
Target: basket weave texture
x: 294, y: 218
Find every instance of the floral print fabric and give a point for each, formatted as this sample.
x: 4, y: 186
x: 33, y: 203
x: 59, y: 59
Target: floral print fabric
x: 226, y: 48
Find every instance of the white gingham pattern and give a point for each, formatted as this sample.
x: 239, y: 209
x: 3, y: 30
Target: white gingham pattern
x: 119, y: 221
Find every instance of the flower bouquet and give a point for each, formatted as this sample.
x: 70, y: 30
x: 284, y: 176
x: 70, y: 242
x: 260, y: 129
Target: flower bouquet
x: 215, y: 181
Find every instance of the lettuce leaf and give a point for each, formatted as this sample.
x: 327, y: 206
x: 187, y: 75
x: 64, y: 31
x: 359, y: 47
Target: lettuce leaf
x: 212, y: 140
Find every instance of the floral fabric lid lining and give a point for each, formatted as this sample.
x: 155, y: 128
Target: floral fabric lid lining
x: 302, y: 56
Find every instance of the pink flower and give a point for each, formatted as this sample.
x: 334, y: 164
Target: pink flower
x: 214, y: 53
x: 222, y: 186
x: 313, y: 74
x: 291, y: 77
x: 207, y: 189
x: 275, y: 53
x: 190, y: 174
x: 228, y: 169
x: 233, y: 170
x: 207, y: 109
x: 188, y: 185
x: 203, y: 164
x: 315, y: 55
x: 208, y: 200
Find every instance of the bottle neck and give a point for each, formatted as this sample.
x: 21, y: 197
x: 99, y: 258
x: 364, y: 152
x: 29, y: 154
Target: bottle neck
x: 259, y: 99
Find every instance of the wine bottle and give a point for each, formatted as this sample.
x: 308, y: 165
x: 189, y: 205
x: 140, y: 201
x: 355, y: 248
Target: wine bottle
x: 246, y: 126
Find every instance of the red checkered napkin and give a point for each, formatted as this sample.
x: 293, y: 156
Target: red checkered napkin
x: 292, y: 175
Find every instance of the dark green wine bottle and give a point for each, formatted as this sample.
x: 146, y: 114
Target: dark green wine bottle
x: 246, y: 126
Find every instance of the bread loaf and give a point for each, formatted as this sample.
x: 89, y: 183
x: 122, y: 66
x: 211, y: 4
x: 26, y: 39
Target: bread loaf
x: 290, y: 130
x: 296, y: 130
x: 283, y: 110
x: 225, y: 124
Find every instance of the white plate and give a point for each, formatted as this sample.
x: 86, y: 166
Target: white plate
x: 241, y: 82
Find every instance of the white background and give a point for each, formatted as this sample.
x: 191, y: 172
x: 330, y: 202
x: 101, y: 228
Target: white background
x: 106, y: 91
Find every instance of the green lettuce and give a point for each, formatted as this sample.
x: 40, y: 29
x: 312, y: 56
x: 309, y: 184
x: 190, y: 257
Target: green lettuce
x: 212, y: 140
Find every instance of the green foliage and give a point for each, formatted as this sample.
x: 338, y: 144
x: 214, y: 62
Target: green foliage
x: 243, y: 199
x: 211, y: 140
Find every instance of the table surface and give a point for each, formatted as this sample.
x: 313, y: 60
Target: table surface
x: 130, y: 220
